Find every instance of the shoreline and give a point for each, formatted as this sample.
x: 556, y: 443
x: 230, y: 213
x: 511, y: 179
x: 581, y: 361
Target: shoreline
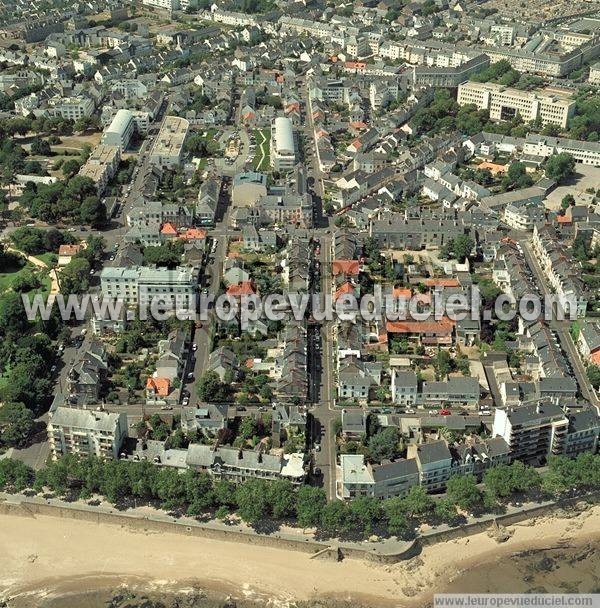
x: 42, y: 557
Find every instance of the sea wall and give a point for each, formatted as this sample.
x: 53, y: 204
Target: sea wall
x: 389, y: 551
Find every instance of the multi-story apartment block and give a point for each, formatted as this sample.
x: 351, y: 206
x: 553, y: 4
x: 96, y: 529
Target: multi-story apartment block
x: 533, y: 432
x: 359, y: 478
x: 357, y: 46
x: 166, y: 5
x: 594, y: 77
x: 505, y: 103
x: 283, y: 149
x: 585, y: 152
x: 71, y: 108
x: 167, y: 150
x: 85, y: 432
x: 142, y: 285
x: 102, y: 165
x: 583, y: 434
x: 534, y: 59
x: 447, y: 75
x: 434, y: 462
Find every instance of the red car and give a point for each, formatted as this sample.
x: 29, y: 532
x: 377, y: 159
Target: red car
x: 445, y: 412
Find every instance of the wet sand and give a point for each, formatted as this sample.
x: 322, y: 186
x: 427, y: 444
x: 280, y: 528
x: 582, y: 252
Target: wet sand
x: 50, y: 562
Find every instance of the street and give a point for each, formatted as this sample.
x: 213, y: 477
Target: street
x: 562, y: 329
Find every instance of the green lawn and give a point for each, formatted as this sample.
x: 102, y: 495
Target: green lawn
x: 7, y: 278
x: 50, y: 258
x: 262, y: 160
x: 9, y: 273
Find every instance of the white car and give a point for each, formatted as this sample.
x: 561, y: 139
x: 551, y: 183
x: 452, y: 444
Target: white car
x: 194, y: 346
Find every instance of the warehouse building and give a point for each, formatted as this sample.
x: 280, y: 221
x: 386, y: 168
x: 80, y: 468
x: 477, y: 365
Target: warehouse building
x: 283, y: 152
x: 120, y: 130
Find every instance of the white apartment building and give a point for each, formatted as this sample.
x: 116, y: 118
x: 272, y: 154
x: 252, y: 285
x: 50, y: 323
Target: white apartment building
x: 167, y: 5
x: 129, y: 88
x: 533, y: 431
x: 594, y: 77
x: 283, y: 150
x: 504, y: 103
x: 167, y: 150
x: 586, y: 152
x: 120, y: 130
x: 357, y: 46
x: 140, y: 285
x: 232, y: 18
x: 101, y: 165
x: 85, y: 432
x: 71, y: 108
x: 505, y: 34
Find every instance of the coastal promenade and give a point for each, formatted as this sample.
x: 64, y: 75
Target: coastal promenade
x: 384, y: 551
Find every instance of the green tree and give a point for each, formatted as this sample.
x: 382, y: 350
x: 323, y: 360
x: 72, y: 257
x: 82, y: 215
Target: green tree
x: 75, y: 276
x: 593, y: 374
x: 70, y: 167
x: 252, y: 498
x: 417, y: 502
x: 16, y: 424
x: 384, y: 445
x: 309, y: 505
x: 516, y: 177
x: 365, y: 514
x: 335, y: 518
x: 15, y: 475
x: 560, y: 167
x: 92, y: 211
x: 40, y: 147
x: 225, y: 494
x: 25, y: 281
x: 282, y: 499
x: 462, y: 490
x: 396, y: 518
x: 210, y: 388
x: 115, y: 484
x: 164, y: 255
x: 169, y: 489
x: 445, y: 511
x: 443, y: 364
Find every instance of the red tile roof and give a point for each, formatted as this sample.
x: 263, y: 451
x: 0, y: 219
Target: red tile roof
x: 350, y: 267
x: 69, y: 249
x: 169, y: 229
x: 442, y: 283
x: 346, y: 288
x: 244, y: 288
x: 402, y: 292
x: 160, y: 386
x: 194, y: 233
x: 442, y: 327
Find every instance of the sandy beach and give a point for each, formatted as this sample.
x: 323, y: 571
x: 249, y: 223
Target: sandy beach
x: 44, y: 555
